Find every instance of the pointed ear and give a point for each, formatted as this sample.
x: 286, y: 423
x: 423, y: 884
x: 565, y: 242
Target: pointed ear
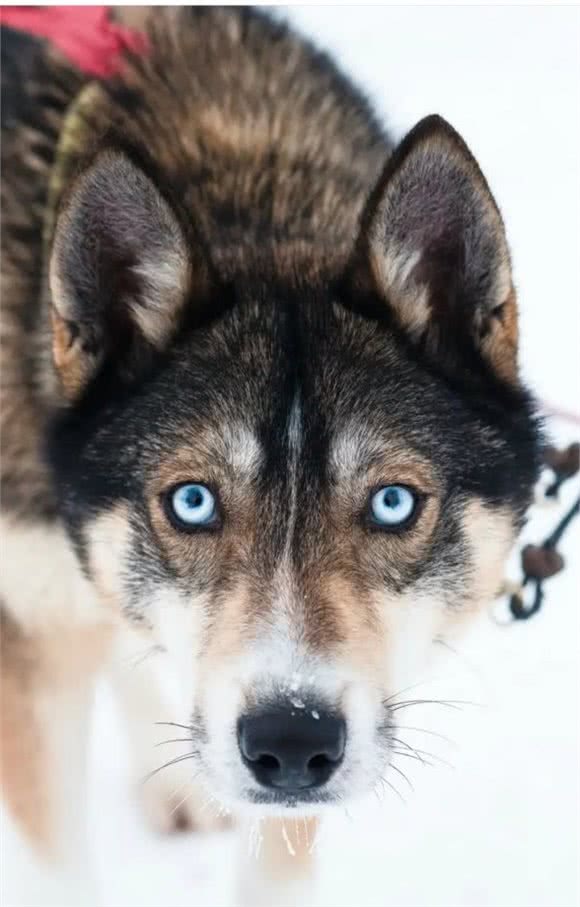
x: 435, y: 243
x: 120, y: 272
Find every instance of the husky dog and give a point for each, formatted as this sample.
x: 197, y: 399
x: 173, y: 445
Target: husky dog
x: 262, y: 425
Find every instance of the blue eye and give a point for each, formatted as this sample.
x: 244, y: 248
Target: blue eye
x: 192, y: 505
x: 393, y: 506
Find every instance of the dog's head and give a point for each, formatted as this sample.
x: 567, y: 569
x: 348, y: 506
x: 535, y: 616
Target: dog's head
x: 301, y: 488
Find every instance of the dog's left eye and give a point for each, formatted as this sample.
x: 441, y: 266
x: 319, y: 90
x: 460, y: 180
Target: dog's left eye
x: 192, y: 506
x: 393, y: 506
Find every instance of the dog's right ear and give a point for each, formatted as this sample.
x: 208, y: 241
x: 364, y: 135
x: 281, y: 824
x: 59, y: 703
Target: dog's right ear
x: 121, y: 272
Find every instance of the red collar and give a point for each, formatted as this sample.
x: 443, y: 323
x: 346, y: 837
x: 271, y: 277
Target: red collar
x: 83, y: 34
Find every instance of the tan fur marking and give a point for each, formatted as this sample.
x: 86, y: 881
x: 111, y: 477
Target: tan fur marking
x: 62, y: 339
x: 22, y: 757
x: 359, y: 624
x: 35, y: 671
x: 73, y: 368
x: 500, y: 345
x: 226, y: 635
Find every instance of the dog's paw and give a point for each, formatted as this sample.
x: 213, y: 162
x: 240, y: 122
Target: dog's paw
x: 185, y: 807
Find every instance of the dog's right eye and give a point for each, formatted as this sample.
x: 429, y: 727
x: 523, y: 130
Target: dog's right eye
x: 393, y: 507
x: 192, y: 506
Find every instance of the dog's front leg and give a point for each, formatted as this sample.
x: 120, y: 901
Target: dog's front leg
x: 277, y: 864
x: 46, y: 693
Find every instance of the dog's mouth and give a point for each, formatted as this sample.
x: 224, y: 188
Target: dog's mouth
x: 291, y: 802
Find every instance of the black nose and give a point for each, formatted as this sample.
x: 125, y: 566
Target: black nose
x: 293, y: 750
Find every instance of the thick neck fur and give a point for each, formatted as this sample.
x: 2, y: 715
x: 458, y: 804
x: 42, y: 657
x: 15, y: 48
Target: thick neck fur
x: 263, y: 145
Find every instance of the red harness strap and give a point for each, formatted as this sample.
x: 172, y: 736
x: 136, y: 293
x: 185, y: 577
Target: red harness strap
x: 85, y: 35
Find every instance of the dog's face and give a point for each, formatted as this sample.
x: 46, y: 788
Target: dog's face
x: 300, y: 494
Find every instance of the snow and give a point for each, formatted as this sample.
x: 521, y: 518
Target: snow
x: 500, y: 827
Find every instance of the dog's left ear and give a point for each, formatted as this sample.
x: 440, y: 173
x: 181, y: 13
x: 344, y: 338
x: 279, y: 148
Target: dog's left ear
x: 121, y: 273
x: 435, y: 243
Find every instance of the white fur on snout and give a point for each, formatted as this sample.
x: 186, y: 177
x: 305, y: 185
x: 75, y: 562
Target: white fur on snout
x: 277, y: 668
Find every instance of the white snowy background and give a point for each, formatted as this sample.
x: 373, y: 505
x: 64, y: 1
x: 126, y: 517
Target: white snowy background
x: 499, y: 826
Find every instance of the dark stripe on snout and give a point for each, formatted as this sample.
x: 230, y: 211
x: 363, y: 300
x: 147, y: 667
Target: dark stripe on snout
x: 290, y: 536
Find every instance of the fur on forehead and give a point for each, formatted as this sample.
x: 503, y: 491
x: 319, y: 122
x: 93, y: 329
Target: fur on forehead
x: 359, y: 451
x: 224, y: 448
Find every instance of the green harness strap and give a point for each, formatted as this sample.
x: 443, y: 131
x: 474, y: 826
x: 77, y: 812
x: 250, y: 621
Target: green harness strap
x: 73, y: 140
